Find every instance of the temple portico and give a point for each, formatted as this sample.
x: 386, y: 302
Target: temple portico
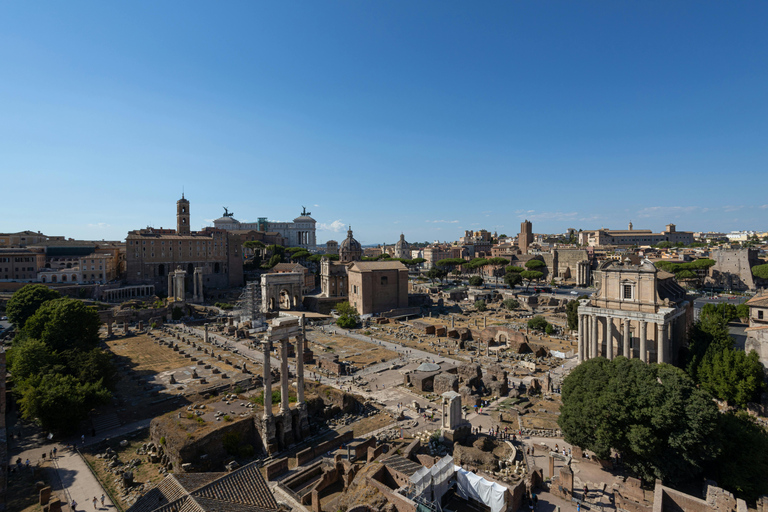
x: 127, y: 293
x: 637, y: 312
x: 610, y: 333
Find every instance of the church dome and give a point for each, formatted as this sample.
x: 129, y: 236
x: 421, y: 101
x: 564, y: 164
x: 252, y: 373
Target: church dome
x: 401, y: 243
x: 350, y: 249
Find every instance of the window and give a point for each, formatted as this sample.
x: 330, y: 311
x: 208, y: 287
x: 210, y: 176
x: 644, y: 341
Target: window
x: 383, y: 280
x: 627, y: 291
x: 759, y: 314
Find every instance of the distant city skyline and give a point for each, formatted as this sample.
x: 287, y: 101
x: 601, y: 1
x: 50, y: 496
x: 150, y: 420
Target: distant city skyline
x: 426, y: 119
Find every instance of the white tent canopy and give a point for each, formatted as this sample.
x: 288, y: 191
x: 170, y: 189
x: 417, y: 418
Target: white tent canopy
x: 474, y: 487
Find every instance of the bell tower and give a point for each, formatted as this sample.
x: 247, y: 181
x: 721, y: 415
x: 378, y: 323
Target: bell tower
x: 182, y: 216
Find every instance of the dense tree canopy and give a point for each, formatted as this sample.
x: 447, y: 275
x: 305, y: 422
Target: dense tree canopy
x: 534, y: 264
x: 498, y: 261
x: 348, y: 316
x: 743, y: 464
x: 760, y: 271
x: 437, y: 272
x: 476, y: 281
x: 58, y: 401
x: 512, y: 279
x: 514, y: 269
x: 64, y: 324
x: 572, y: 314
x: 25, y: 302
x: 538, y: 323
x: 480, y: 305
x: 530, y: 276
x: 511, y: 304
x: 653, y: 415
x: 712, y: 361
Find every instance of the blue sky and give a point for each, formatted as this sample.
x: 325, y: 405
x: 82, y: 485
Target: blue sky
x: 422, y: 117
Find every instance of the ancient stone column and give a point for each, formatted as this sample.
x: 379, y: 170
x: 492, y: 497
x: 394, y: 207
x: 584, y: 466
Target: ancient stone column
x: 485, y: 322
x: 627, y: 352
x: 662, y: 342
x: 609, y: 337
x: 300, y: 341
x: 453, y: 321
x: 267, y: 380
x: 284, y: 376
x: 205, y: 336
x: 582, y: 358
x: 593, y: 328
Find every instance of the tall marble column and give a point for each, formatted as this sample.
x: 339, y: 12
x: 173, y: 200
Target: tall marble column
x: 582, y: 358
x: 593, y: 328
x: 267, y: 380
x: 300, y: 341
x: 627, y: 351
x: 284, y: 376
x: 643, y: 341
x: 609, y: 337
x: 662, y: 343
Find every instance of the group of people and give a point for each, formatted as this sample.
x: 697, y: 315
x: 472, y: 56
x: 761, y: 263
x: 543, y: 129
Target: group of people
x: 95, y: 503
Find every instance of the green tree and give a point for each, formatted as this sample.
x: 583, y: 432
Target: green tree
x: 450, y: 263
x: 59, y: 402
x: 512, y: 279
x: 480, y: 305
x: 497, y: 261
x: 550, y: 329
x: 760, y: 271
x: 476, y: 281
x: 274, y: 260
x: 732, y: 375
x: 743, y: 461
x: 30, y: 357
x: 530, y: 276
x: 64, y: 324
x: 572, y: 314
x: 300, y: 255
x: 534, y: 264
x: 254, y: 244
x: 511, y: 304
x: 26, y: 300
x: 348, y: 316
x: 513, y: 269
x: 538, y: 323
x: 92, y: 366
x: 437, y: 273
x: 651, y: 414
x: 742, y: 310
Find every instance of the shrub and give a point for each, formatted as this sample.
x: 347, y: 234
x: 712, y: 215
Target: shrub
x: 511, y: 304
x: 480, y: 305
x: 538, y: 323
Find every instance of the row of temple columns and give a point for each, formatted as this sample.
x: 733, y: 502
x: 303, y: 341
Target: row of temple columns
x: 284, y: 381
x: 591, y: 344
x: 128, y: 293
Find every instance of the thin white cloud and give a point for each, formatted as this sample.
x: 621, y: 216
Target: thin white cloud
x: 658, y: 211
x: 316, y: 206
x: 731, y: 208
x: 100, y: 225
x: 336, y: 226
x: 533, y: 216
x: 443, y: 221
x: 763, y: 207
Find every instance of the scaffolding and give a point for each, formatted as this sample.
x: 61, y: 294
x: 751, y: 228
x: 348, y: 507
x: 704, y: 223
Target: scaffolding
x: 248, y: 307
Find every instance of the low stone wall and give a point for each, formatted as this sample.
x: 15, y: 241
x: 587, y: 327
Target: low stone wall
x: 276, y: 468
